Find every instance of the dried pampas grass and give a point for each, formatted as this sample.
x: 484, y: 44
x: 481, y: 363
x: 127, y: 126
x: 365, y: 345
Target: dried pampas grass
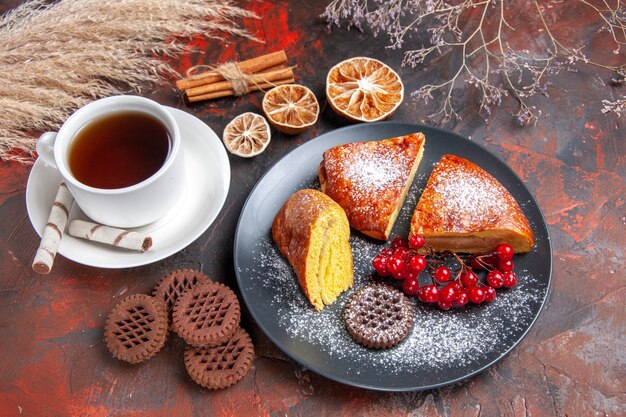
x: 56, y: 58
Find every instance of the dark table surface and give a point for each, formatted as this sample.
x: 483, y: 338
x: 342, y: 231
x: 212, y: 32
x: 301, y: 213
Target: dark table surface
x: 53, y: 361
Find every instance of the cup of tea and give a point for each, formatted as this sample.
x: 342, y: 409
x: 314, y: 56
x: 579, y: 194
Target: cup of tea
x: 121, y: 158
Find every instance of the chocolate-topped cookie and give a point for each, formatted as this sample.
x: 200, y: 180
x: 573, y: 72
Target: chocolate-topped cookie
x: 136, y: 328
x: 378, y: 316
x: 220, y: 366
x: 206, y: 314
x: 171, y: 286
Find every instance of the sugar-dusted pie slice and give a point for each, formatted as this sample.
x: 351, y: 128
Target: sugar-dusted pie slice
x: 464, y: 209
x: 370, y: 180
x: 313, y: 233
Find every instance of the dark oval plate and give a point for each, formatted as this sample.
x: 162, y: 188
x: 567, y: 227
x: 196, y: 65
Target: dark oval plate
x: 443, y: 347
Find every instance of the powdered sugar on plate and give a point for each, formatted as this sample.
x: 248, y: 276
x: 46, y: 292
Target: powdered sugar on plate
x: 438, y: 338
x: 443, y: 346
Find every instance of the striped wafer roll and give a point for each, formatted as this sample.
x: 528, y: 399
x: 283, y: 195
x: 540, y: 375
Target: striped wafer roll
x: 53, y: 232
x: 110, y: 235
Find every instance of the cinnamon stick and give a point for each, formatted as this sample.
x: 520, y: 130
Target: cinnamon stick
x: 264, y: 77
x: 230, y: 92
x: 249, y: 66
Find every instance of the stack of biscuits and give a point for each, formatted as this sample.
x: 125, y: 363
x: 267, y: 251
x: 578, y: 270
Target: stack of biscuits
x: 204, y: 313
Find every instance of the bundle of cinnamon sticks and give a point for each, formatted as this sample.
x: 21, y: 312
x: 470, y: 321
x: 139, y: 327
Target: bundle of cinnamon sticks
x: 239, y: 78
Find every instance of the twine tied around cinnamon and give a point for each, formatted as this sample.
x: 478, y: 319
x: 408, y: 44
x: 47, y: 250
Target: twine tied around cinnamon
x: 231, y: 72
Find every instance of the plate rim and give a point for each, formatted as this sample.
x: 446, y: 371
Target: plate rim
x: 136, y: 261
x: 371, y: 386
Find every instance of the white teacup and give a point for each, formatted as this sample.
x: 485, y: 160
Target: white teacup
x: 131, y: 206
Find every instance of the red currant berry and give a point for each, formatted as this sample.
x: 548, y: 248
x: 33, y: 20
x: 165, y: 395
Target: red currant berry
x: 428, y: 293
x: 476, y: 294
x: 442, y: 274
x: 494, y: 279
x: 461, y: 298
x: 475, y: 263
x: 395, y: 264
x: 402, y: 252
x: 387, y: 252
x: 399, y: 242
x: 421, y: 294
x: 410, y: 274
x: 416, y: 241
x: 468, y: 278
x: 448, y: 293
x: 509, y: 279
x: 505, y: 266
x: 505, y: 252
x: 401, y: 274
x: 417, y: 263
x: 481, y: 262
x: 410, y: 286
x: 490, y: 294
x: 444, y: 305
x: 380, y: 265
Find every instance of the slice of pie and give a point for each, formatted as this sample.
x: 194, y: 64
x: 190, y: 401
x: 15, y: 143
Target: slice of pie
x: 313, y: 233
x: 464, y: 209
x: 370, y: 180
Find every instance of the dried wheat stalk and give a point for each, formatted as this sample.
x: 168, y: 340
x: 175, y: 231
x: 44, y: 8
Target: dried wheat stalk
x: 56, y: 58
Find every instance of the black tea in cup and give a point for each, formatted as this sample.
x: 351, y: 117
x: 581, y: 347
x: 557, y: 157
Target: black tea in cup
x: 119, y: 150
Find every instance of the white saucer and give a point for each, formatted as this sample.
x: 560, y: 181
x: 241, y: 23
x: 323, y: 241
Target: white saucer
x: 208, y: 175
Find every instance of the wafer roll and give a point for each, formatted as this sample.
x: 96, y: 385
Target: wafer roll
x: 53, y: 232
x: 110, y: 235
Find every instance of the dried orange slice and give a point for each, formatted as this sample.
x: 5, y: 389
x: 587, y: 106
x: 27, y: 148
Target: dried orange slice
x: 363, y: 89
x: 291, y: 108
x: 247, y: 135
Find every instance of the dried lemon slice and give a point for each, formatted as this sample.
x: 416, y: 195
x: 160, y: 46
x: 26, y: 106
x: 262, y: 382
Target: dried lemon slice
x: 291, y: 108
x: 247, y: 135
x: 363, y: 89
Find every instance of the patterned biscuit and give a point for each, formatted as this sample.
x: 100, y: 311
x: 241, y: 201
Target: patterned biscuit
x: 378, y: 316
x: 206, y: 315
x: 220, y: 366
x: 136, y: 329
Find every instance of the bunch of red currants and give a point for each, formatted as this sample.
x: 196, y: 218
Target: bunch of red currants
x: 403, y: 261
